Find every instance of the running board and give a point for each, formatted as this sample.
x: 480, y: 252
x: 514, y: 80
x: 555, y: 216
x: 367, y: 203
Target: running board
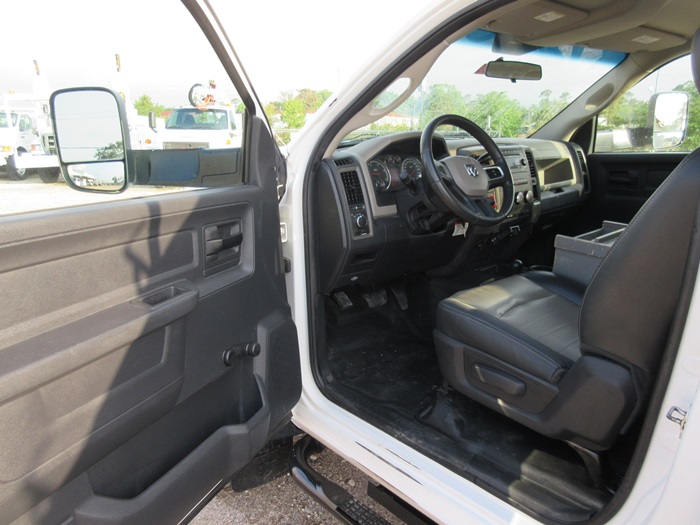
x: 332, y: 496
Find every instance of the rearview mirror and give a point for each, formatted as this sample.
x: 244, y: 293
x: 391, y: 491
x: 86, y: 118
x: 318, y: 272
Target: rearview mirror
x: 91, y: 138
x: 669, y: 112
x: 513, y: 70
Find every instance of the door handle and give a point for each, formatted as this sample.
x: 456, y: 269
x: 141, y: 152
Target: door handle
x: 626, y: 179
x: 216, y: 245
x: 222, y: 246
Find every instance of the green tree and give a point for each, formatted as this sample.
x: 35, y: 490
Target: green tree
x: 293, y: 113
x: 626, y: 112
x: 440, y: 100
x: 692, y: 136
x: 273, y: 110
x: 312, y: 100
x: 497, y: 113
x: 114, y: 150
x: 545, y: 109
x: 411, y: 106
x: 291, y: 109
x: 144, y: 104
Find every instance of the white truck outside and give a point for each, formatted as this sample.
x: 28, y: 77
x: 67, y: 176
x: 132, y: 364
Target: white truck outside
x: 25, y: 139
x: 190, y: 127
x: 208, y: 122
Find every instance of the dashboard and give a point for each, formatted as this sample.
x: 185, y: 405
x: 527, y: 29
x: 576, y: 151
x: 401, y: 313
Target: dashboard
x: 375, y: 224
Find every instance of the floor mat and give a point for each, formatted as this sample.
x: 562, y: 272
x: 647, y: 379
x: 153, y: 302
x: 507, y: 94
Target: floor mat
x: 383, y: 367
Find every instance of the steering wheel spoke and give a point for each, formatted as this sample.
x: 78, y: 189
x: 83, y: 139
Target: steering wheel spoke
x: 487, y: 208
x: 443, y: 170
x: 461, y: 183
x: 496, y: 176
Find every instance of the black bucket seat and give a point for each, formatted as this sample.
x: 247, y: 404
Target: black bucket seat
x: 575, y: 363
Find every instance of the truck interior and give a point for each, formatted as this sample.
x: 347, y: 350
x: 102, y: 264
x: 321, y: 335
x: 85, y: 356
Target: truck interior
x: 527, y: 367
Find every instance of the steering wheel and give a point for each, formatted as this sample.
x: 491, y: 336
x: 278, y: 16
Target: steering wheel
x: 460, y: 182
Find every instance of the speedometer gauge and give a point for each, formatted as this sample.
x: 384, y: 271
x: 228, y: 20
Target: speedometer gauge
x: 413, y: 167
x: 381, y: 178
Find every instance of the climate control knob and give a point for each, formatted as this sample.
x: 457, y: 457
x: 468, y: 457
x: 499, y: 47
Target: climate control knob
x: 519, y: 198
x: 529, y: 196
x: 361, y: 221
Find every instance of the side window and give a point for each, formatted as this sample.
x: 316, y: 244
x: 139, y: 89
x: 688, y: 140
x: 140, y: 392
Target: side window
x: 185, y: 117
x: 626, y: 125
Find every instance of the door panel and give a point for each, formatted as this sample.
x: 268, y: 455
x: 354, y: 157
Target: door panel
x: 115, y: 401
x: 622, y: 182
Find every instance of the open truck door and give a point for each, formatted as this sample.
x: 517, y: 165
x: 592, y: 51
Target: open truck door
x: 147, y: 350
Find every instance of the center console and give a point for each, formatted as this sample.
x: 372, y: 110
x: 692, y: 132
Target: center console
x: 526, y: 198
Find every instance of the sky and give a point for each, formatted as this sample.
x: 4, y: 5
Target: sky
x: 283, y: 45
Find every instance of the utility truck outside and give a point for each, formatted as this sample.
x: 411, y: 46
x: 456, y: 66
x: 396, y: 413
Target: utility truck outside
x: 22, y: 129
x: 207, y: 123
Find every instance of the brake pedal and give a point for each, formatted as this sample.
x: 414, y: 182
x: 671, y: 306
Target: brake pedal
x: 375, y: 298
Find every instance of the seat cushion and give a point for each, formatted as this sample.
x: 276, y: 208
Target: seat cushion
x: 518, y: 321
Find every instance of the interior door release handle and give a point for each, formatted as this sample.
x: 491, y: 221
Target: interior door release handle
x: 221, y: 237
x: 223, y: 243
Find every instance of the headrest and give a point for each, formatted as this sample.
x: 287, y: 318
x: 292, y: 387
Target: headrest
x: 695, y: 59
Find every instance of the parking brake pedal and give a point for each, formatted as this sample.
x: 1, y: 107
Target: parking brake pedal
x: 343, y: 300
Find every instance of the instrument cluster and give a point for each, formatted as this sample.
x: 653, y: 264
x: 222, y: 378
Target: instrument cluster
x: 385, y: 171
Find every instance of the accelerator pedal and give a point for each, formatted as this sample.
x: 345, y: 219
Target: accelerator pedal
x: 399, y: 291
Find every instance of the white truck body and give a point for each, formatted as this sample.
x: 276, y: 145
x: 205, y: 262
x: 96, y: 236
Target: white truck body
x: 25, y: 135
x: 189, y: 128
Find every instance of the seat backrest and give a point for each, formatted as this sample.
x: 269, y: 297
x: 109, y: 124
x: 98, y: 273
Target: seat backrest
x: 630, y: 302
x: 189, y: 121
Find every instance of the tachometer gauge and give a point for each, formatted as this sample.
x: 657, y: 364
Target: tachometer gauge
x: 413, y: 167
x: 381, y: 178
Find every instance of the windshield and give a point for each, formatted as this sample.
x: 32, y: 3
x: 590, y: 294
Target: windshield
x: 191, y: 118
x: 4, y: 119
x: 457, y: 83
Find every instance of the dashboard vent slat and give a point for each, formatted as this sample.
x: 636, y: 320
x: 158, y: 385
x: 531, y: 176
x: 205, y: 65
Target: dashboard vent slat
x: 353, y: 189
x: 584, y: 170
x: 342, y: 162
x: 531, y: 165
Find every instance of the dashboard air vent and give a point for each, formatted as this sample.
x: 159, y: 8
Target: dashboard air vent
x: 353, y: 189
x: 531, y: 165
x: 584, y: 170
x: 343, y: 162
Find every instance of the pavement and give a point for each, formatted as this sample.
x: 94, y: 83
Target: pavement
x: 33, y: 195
x: 283, y: 502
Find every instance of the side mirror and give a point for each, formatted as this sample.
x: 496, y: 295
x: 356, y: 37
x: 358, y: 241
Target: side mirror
x: 668, y: 116
x: 152, y: 121
x: 92, y: 138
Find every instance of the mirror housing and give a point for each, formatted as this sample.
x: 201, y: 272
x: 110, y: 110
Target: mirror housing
x: 152, y: 121
x: 92, y: 138
x: 668, y: 119
x: 512, y: 70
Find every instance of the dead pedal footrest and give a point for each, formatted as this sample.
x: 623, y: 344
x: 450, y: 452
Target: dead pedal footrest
x: 332, y: 496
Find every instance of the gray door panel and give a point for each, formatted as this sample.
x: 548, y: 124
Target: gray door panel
x: 115, y: 402
x: 622, y: 182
